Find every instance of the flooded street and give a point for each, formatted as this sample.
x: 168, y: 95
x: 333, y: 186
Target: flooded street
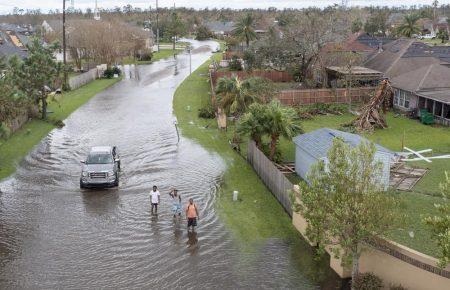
x: 54, y: 235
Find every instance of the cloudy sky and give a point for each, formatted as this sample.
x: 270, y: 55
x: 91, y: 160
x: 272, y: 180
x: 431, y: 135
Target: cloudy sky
x: 6, y: 6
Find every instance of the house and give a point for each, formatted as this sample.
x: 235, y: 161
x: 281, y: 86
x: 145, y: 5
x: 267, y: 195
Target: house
x: 420, y: 76
x: 221, y: 28
x: 313, y: 147
x: 13, y: 39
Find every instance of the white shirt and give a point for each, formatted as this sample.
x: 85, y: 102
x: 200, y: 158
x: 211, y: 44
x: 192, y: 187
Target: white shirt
x: 154, y: 196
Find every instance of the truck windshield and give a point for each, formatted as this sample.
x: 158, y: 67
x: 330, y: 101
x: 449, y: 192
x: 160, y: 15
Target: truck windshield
x: 99, y: 158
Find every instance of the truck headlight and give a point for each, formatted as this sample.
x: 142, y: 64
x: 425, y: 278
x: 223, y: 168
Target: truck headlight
x: 84, y: 174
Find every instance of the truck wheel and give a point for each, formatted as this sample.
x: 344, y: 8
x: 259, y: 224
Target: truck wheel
x: 81, y: 185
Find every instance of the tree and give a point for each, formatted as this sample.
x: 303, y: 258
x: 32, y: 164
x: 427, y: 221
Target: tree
x: 443, y: 35
x: 440, y: 224
x: 253, y: 123
x: 236, y: 95
x: 280, y: 122
x: 36, y: 74
x: 376, y: 24
x: 175, y: 27
x: 344, y: 203
x: 357, y: 25
x: 202, y: 33
x: 245, y: 29
x: 409, y: 26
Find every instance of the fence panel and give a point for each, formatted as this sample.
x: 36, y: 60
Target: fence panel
x: 276, y: 76
x: 277, y: 183
x: 327, y: 96
x: 82, y: 79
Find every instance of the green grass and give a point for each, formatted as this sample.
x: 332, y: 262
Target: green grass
x: 258, y: 215
x: 15, y: 148
x: 417, y: 136
x: 435, y: 41
x: 163, y: 53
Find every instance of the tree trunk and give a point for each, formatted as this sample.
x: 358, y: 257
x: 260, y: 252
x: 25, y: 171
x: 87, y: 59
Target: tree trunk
x: 273, y: 146
x: 355, y: 266
x: 247, y: 41
x: 258, y: 142
x: 44, y: 107
x: 174, y: 40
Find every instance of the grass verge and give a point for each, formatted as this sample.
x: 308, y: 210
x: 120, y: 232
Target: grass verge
x: 257, y: 217
x: 20, y: 143
x: 163, y: 53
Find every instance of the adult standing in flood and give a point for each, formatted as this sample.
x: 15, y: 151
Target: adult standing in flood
x: 192, y: 214
x: 154, y: 199
x: 176, y: 202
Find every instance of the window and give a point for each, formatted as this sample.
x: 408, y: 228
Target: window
x: 402, y: 99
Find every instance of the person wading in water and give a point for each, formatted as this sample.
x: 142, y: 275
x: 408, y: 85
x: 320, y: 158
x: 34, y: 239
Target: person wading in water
x: 191, y: 214
x: 176, y: 202
x: 154, y: 199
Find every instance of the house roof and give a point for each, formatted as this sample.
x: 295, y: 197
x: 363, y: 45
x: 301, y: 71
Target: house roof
x: 219, y: 26
x: 8, y: 49
x: 442, y: 96
x: 317, y: 143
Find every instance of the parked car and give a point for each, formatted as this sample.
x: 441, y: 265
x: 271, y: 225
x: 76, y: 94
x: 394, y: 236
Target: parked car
x: 101, y: 168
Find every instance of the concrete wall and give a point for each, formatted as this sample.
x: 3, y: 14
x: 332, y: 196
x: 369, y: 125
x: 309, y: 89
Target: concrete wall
x: 392, y: 262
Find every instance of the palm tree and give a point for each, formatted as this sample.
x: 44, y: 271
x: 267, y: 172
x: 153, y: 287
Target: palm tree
x: 280, y: 122
x: 235, y: 95
x: 253, y: 123
x: 245, y: 30
x: 409, y: 26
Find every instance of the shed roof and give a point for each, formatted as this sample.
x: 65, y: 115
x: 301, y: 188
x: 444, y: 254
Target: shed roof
x: 317, y: 143
x: 356, y: 70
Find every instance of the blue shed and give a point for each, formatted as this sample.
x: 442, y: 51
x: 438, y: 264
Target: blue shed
x: 313, y: 147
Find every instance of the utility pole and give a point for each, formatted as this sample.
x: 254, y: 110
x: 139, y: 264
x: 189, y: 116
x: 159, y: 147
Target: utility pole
x: 64, y: 44
x: 157, y: 25
x: 189, y: 48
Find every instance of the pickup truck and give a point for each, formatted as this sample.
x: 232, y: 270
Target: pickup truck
x: 101, y: 168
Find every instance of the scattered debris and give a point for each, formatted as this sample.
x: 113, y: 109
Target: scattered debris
x: 286, y: 168
x: 404, y: 178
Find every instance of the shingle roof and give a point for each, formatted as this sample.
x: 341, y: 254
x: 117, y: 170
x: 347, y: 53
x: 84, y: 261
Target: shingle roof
x: 438, y: 95
x: 218, y: 26
x: 317, y: 143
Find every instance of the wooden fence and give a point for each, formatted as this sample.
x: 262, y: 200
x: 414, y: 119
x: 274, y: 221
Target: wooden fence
x: 275, y: 76
x: 327, y: 96
x: 277, y: 183
x: 82, y: 79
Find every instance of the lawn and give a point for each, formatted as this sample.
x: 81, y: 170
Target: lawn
x: 433, y: 42
x: 417, y: 136
x: 163, y: 53
x: 15, y: 148
x: 258, y: 215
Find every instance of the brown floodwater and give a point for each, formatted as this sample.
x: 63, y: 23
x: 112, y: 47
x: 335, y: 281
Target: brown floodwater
x: 54, y: 235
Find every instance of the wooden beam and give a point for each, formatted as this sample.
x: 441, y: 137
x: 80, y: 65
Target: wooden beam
x: 418, y: 154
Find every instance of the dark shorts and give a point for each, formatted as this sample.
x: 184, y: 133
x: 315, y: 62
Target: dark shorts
x: 155, y: 205
x: 192, y: 222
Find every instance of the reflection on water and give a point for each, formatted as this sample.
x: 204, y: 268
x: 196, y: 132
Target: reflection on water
x: 54, y: 235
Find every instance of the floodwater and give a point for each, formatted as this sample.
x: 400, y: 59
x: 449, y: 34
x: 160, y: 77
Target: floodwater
x: 54, y: 235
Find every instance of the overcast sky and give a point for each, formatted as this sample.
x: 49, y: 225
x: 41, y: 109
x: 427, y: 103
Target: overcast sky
x: 6, y: 6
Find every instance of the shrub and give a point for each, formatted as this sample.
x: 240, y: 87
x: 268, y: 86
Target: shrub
x: 397, y: 287
x: 145, y: 56
x: 111, y: 71
x: 207, y: 112
x: 203, y: 33
x: 5, y: 132
x: 367, y: 281
x: 235, y: 63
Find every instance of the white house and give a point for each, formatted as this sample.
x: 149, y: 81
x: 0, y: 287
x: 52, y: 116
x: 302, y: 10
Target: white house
x: 314, y: 146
